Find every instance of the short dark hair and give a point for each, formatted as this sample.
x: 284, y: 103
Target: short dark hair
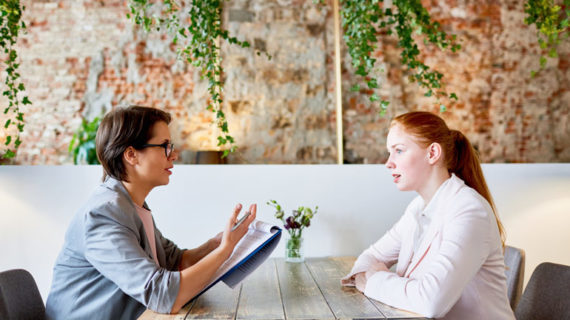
x: 120, y: 129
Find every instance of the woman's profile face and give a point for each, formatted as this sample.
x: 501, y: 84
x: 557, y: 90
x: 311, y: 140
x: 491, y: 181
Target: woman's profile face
x: 153, y: 165
x: 408, y: 161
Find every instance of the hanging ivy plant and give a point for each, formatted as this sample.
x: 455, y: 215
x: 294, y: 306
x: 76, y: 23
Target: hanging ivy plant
x: 197, y: 44
x: 552, y: 24
x: 364, y: 20
x: 10, y: 26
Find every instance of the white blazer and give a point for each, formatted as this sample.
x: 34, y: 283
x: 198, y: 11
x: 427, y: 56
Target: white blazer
x: 458, y: 271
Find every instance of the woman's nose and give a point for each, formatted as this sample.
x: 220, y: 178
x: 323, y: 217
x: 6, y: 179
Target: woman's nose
x: 174, y: 155
x: 389, y: 163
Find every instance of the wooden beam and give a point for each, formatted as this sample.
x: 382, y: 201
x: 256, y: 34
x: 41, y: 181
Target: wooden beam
x: 338, y: 83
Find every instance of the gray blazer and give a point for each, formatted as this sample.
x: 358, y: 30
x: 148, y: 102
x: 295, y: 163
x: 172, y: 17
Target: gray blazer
x: 105, y: 269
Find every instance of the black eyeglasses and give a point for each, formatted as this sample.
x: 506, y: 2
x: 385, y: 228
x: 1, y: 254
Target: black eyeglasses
x: 168, y: 147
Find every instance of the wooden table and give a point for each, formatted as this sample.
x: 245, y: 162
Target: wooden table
x: 281, y: 290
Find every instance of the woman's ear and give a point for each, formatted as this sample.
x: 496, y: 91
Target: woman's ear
x: 434, y: 153
x: 130, y: 156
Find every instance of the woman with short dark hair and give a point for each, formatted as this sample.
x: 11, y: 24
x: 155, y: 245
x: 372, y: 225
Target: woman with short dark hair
x: 115, y: 263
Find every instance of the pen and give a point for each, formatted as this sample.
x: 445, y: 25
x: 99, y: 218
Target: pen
x: 240, y: 221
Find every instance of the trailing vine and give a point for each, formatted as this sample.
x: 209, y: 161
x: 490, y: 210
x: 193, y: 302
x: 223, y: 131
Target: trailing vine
x: 365, y: 20
x: 197, y: 44
x: 10, y: 25
x: 552, y: 24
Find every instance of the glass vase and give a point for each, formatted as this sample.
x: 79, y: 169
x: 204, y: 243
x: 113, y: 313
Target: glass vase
x: 294, y: 251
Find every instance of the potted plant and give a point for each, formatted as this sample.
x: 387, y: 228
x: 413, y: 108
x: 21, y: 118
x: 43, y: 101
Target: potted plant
x: 294, y: 224
x: 82, y: 146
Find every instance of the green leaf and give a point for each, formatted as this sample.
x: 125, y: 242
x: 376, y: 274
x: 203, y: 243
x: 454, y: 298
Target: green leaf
x: 372, y: 84
x: 552, y: 53
x: 361, y: 71
x: 9, y: 154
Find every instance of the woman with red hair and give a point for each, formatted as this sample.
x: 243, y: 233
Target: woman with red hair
x: 449, y: 243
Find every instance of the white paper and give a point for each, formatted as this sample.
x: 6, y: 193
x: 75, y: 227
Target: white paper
x: 258, y: 233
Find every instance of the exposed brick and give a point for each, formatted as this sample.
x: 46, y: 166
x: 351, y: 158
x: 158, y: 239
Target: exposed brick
x: 83, y: 58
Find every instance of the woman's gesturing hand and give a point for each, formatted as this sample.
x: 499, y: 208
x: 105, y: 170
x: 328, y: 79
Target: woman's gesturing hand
x: 231, y: 238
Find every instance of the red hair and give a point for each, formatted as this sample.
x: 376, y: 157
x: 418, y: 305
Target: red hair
x: 459, y: 155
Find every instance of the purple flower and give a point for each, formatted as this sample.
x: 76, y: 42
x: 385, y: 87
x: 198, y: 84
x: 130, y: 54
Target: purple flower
x: 290, y: 223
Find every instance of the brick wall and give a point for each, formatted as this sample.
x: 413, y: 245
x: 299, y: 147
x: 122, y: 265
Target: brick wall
x: 507, y: 115
x: 81, y: 58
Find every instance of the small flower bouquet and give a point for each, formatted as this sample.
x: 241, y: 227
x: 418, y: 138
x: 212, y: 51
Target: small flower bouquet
x: 294, y: 224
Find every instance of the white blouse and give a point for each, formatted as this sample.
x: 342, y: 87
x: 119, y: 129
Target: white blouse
x: 457, y: 270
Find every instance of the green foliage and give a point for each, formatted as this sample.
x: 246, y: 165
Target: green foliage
x: 197, y: 39
x: 552, y: 24
x: 365, y: 20
x: 10, y: 25
x: 82, y: 145
x: 297, y: 221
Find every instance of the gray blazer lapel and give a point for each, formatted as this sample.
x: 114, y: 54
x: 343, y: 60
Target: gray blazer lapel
x: 132, y: 219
